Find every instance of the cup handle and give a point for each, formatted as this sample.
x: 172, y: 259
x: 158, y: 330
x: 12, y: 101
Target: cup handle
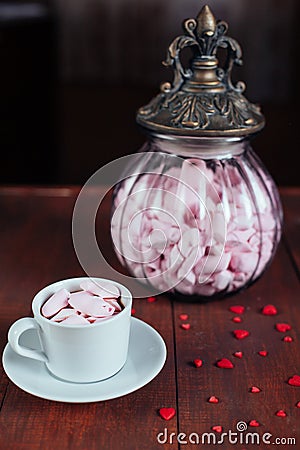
x: 14, y: 334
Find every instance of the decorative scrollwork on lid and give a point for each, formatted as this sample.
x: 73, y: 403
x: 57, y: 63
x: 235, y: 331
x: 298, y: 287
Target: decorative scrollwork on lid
x: 205, y: 35
x: 173, y: 60
x: 202, y: 98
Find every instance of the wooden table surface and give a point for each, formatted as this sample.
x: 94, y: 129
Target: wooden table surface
x: 36, y: 249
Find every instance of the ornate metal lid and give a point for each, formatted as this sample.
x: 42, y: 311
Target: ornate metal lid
x: 202, y: 101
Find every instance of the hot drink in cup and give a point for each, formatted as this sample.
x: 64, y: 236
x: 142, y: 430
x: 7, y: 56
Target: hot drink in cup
x: 92, y: 304
x: 83, y: 325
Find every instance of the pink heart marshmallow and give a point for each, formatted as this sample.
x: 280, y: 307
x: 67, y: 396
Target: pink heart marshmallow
x: 55, y: 303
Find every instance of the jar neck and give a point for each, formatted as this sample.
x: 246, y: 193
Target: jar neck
x: 204, y: 148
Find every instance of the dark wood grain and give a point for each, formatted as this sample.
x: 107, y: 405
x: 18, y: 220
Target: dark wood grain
x: 36, y: 249
x: 210, y: 338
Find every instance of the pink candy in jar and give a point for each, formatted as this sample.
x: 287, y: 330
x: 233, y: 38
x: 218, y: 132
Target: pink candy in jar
x: 198, y: 227
x: 197, y: 213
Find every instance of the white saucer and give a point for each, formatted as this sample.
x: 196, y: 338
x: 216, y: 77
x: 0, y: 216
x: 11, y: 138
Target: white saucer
x: 146, y: 358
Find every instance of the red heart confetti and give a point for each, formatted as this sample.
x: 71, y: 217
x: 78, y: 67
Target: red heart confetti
x: 298, y: 405
x: 238, y: 354
x: 281, y: 413
x: 183, y: 316
x: 287, y: 339
x: 214, y: 399
x: 237, y: 309
x: 167, y: 413
x: 217, y: 428
x: 225, y: 363
x: 185, y: 326
x: 254, y: 423
x: 151, y: 299
x: 294, y: 380
x: 269, y: 310
x: 198, y: 362
x: 255, y: 389
x: 241, y: 334
x: 133, y: 311
x: 237, y: 319
x: 282, y: 327
x: 263, y: 353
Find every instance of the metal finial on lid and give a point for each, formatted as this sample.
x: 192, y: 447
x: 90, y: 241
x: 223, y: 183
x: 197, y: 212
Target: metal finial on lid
x: 202, y: 100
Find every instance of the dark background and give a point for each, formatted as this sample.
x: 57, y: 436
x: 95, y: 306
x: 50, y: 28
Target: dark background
x: 74, y: 72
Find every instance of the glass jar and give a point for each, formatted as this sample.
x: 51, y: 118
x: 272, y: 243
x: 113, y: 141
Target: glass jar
x: 196, y: 212
x: 196, y: 216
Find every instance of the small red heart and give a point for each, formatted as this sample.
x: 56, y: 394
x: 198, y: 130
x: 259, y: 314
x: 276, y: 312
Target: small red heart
x: 298, y: 405
x: 183, y: 316
x: 185, y: 326
x: 213, y: 399
x: 281, y: 413
x: 198, y: 362
x: 240, y: 334
x: 225, y: 363
x: 287, y: 339
x: 269, y: 310
x: 151, y: 299
x: 282, y: 327
x: 255, y: 389
x: 237, y: 309
x: 133, y: 311
x: 254, y: 423
x: 263, y: 353
x: 217, y: 428
x: 167, y: 413
x: 238, y: 354
x: 294, y: 380
x: 237, y: 319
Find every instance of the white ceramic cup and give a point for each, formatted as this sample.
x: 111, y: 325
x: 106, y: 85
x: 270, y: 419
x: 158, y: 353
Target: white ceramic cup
x: 76, y: 353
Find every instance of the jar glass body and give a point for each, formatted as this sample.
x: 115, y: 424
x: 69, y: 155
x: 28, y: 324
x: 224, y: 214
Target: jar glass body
x: 199, y: 217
